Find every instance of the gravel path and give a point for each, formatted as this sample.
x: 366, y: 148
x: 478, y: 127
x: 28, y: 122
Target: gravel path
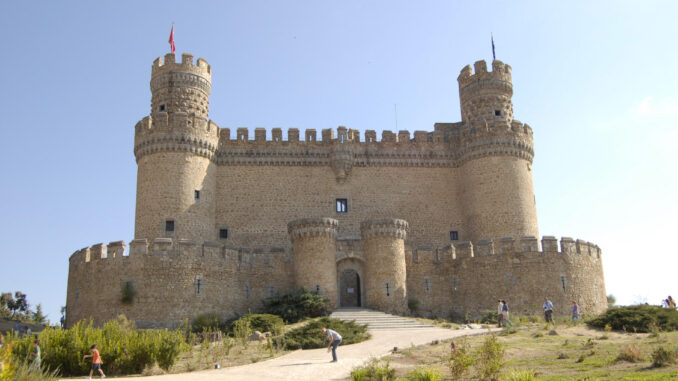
x: 314, y: 364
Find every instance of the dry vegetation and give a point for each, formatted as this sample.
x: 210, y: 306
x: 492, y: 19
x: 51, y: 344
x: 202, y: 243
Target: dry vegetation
x: 572, y: 353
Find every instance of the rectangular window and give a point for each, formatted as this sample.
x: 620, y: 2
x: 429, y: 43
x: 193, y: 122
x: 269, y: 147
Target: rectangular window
x: 342, y: 205
x: 169, y: 225
x: 454, y: 236
x: 223, y: 233
x: 197, y: 195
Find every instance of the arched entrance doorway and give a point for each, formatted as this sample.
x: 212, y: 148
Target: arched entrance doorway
x: 349, y: 289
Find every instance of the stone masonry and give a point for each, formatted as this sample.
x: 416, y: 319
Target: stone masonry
x: 445, y: 219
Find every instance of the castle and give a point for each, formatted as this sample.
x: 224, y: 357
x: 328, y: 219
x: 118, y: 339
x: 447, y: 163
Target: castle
x: 443, y: 220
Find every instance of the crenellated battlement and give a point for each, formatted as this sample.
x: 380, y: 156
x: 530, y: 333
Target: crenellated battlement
x: 500, y: 72
x: 503, y: 248
x: 175, y: 132
x: 168, y: 63
x: 181, y: 249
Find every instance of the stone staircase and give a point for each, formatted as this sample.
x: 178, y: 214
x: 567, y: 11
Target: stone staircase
x: 377, y: 320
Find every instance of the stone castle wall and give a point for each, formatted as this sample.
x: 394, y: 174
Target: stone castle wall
x: 178, y: 279
x: 455, y: 280
x: 173, y: 280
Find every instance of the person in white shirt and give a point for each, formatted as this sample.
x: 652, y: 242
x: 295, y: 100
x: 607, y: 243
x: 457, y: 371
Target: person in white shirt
x: 334, y: 340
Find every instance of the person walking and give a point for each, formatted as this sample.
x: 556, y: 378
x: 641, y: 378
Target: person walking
x: 96, y: 361
x: 548, y: 310
x: 35, y: 357
x: 576, y: 313
x: 500, y: 316
x: 334, y: 340
x: 505, y: 313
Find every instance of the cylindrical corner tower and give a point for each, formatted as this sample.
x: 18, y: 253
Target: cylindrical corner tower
x: 385, y: 272
x: 495, y: 158
x: 314, y: 246
x: 174, y: 147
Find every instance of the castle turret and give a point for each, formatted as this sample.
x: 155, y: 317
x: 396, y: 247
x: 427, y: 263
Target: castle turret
x: 384, y: 247
x: 314, y: 247
x: 174, y: 148
x: 495, y: 157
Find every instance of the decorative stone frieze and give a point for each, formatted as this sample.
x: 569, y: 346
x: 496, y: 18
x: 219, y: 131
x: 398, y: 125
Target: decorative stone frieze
x: 384, y: 227
x: 313, y: 227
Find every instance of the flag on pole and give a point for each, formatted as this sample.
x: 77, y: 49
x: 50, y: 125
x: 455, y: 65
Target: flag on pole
x: 491, y: 36
x: 171, y: 39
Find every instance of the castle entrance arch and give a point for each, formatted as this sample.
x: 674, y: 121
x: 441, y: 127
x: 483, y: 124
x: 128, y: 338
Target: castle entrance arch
x: 349, y: 289
x: 350, y: 277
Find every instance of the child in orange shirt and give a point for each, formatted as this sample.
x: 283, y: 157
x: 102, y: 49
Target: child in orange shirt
x: 96, y: 361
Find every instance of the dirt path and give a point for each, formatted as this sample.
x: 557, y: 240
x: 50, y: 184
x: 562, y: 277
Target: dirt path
x: 314, y: 364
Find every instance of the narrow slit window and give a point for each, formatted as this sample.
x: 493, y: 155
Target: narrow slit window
x: 454, y: 236
x: 197, y: 195
x: 342, y: 205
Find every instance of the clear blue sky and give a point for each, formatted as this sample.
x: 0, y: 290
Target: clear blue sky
x: 596, y: 80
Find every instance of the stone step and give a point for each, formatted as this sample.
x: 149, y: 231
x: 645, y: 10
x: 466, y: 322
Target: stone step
x: 377, y: 320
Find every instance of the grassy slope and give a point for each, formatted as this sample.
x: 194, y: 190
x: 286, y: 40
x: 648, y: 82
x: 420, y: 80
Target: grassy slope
x: 534, y: 349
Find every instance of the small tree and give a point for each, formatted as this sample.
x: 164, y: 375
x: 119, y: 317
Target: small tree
x: 611, y: 300
x: 21, y: 303
x: 38, y: 316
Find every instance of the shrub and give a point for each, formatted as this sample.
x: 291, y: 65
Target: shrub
x: 374, y: 370
x: 489, y: 317
x: 520, y: 375
x: 242, y: 329
x: 124, y: 350
x: 663, y: 356
x: 311, y: 336
x: 265, y: 323
x: 490, y: 358
x: 630, y: 353
x: 296, y: 306
x: 359, y: 374
x: 425, y: 374
x: 461, y: 360
x: 639, y: 318
x: 127, y: 293
x: 207, y: 322
x: 413, y: 304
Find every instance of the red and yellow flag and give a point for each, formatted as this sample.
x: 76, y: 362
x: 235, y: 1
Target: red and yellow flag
x: 171, y: 39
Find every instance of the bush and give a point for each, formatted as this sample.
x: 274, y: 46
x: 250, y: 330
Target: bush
x: 520, y: 375
x: 127, y: 293
x: 207, y: 322
x: 413, y: 304
x: 374, y: 370
x: 490, y: 358
x: 461, y: 360
x: 640, y: 318
x: 295, y: 306
x: 311, y: 336
x: 489, y: 317
x: 264, y: 323
x: 425, y: 374
x: 663, y: 356
x: 124, y: 350
x: 630, y: 353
